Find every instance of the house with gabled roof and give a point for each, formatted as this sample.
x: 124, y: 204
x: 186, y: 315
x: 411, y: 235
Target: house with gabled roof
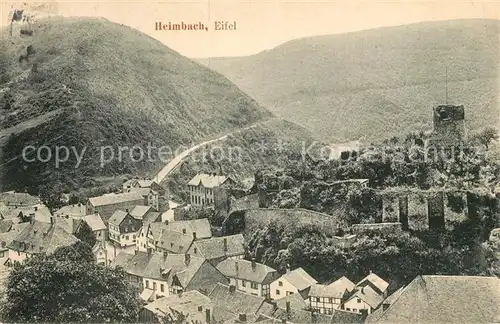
x: 435, y: 299
x: 378, y: 284
x: 297, y: 281
x: 217, y: 249
x: 107, y: 204
x: 249, y: 276
x: 75, y: 210
x: 96, y: 224
x: 150, y: 196
x: 179, y: 237
x: 201, y: 188
x: 326, y: 298
x: 143, y: 183
x: 229, y: 302
x: 123, y: 228
x: 197, y: 308
x: 134, y: 266
x: 38, y: 238
x: 367, y: 296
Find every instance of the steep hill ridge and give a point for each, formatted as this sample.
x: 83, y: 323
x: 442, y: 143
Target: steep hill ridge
x: 90, y: 83
x: 377, y: 83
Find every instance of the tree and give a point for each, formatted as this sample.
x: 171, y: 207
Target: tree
x: 67, y: 287
x: 85, y: 234
x: 486, y: 136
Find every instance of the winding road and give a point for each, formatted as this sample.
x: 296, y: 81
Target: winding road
x: 176, y: 161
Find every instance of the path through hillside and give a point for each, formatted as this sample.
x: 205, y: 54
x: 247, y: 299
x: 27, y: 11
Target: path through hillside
x: 176, y: 161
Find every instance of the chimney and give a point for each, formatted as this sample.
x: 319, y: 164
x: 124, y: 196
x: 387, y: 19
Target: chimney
x: 254, y: 265
x: 208, y: 317
x: 288, y: 307
x: 165, y: 254
x: 187, y: 258
x: 126, y: 210
x: 36, y: 208
x: 232, y: 288
x: 237, y: 269
x: 166, y: 222
x: 135, y: 252
x: 149, y: 251
x: 225, y: 244
x: 183, y: 231
x: 287, y: 268
x: 370, y: 271
x: 194, y: 235
x: 242, y: 317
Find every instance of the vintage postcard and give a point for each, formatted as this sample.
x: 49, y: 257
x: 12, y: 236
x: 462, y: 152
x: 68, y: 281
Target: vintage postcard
x: 263, y: 161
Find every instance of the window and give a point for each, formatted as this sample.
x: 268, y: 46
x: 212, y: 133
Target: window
x: 195, y: 250
x: 126, y: 237
x: 280, y: 283
x: 2, y: 254
x: 288, y: 293
x: 359, y: 300
x: 277, y: 291
x: 253, y: 285
x: 154, y: 285
x: 162, y: 287
x: 133, y: 237
x: 354, y: 310
x: 348, y: 309
x: 317, y: 299
x: 243, y: 283
x: 147, y: 283
x: 330, y: 300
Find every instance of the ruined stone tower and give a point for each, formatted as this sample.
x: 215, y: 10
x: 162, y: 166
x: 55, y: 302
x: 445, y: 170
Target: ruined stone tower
x: 449, y: 125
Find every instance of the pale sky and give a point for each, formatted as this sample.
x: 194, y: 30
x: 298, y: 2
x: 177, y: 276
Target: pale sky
x: 260, y: 24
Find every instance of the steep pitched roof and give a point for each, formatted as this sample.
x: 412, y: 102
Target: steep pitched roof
x: 6, y: 238
x: 235, y: 301
x: 161, y: 267
x: 70, y: 225
x: 368, y: 295
x: 336, y: 289
x: 142, y: 191
x: 200, y: 226
x: 186, y: 303
x: 215, y: 247
x: 446, y: 299
x: 134, y: 264
x: 151, y: 217
x: 109, y: 199
x: 242, y: 269
x: 145, y: 183
x: 40, y: 212
x: 174, y: 241
x: 378, y: 282
x: 5, y: 225
x: 12, y: 198
x: 95, y: 222
x: 299, y: 278
x: 72, y: 210
x: 118, y: 217
x: 345, y: 317
x: 296, y: 301
x: 41, y: 237
x: 207, y: 180
x: 301, y: 316
x: 139, y: 211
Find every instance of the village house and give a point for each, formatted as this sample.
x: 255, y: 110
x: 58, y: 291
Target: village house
x: 367, y: 296
x: 38, y: 238
x: 97, y: 226
x: 72, y: 211
x: 201, y: 188
x: 147, y: 214
x: 430, y: 299
x: 249, y: 276
x: 292, y: 282
x: 217, y: 249
x: 143, y: 183
x: 38, y: 212
x: 10, y: 200
x: 150, y: 196
x: 326, y: 298
x: 123, y: 228
x: 106, y: 205
x: 197, y: 307
x: 230, y: 303
x: 179, y: 237
x: 162, y: 274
